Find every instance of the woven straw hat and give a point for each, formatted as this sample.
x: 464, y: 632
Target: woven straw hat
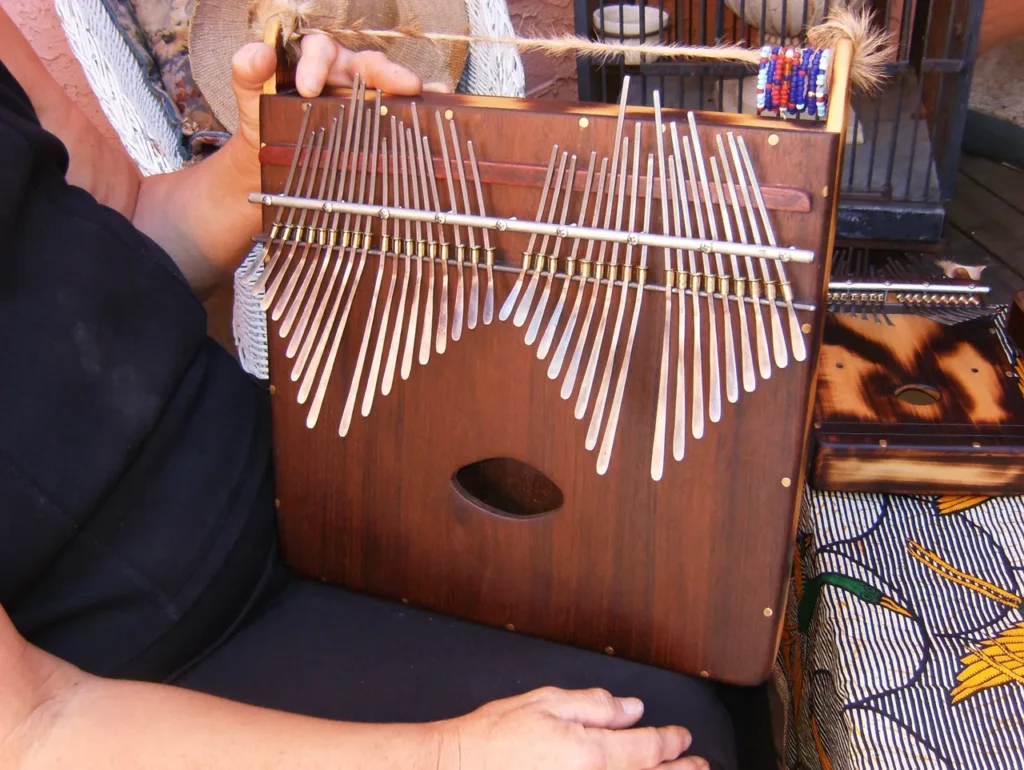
x: 220, y: 27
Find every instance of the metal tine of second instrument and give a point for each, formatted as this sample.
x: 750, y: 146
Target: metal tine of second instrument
x: 570, y: 267
x: 697, y: 366
x: 714, y: 371
x: 795, y: 333
x: 732, y: 388
x: 555, y: 367
x: 307, y: 110
x: 339, y: 331
x: 369, y: 157
x: 661, y: 408
x: 441, y: 337
x: 319, y: 332
x: 313, y: 334
x: 364, y: 344
x: 545, y: 295
x: 583, y: 398
x: 407, y: 247
x: 601, y: 401
x: 334, y: 141
x: 604, y: 454
x: 275, y: 271
x: 458, y: 309
x: 413, y: 201
x: 764, y: 361
x: 396, y: 245
x: 778, y: 337
x: 540, y: 257
x: 746, y: 355
x: 488, y: 316
x: 427, y: 337
x: 473, y: 306
x: 679, y: 423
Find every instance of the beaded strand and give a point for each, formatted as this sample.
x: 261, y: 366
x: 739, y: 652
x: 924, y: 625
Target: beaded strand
x: 793, y: 81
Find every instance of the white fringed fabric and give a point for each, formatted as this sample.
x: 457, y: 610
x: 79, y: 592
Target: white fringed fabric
x: 153, y: 141
x: 120, y: 85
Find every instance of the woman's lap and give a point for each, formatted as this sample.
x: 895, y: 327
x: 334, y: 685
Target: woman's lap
x: 330, y: 653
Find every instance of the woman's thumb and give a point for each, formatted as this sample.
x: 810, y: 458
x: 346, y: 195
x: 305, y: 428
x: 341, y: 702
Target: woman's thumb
x: 251, y: 66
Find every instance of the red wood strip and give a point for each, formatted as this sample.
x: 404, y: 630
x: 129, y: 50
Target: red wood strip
x: 776, y: 197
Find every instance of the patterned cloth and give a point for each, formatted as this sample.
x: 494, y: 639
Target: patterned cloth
x: 903, y: 645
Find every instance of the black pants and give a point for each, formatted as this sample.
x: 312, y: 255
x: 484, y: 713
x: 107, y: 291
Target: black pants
x: 329, y: 653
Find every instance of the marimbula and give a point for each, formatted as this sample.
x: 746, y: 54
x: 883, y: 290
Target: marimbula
x: 548, y: 366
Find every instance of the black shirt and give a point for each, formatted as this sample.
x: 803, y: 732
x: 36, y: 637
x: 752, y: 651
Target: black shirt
x: 136, y: 501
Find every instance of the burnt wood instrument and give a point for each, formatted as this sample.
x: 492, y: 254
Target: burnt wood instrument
x: 548, y: 366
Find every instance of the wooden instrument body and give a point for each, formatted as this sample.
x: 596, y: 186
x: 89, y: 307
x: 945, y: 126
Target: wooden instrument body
x: 966, y: 437
x: 689, y: 572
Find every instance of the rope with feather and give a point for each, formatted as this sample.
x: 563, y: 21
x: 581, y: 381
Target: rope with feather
x: 297, y: 18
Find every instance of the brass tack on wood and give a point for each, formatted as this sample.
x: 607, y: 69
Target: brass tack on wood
x: 277, y: 502
x: 817, y: 426
x: 584, y: 122
x: 705, y: 674
x: 273, y: 390
x: 448, y: 114
x: 976, y: 445
x: 806, y: 328
x: 383, y: 109
x: 824, y: 192
x: 786, y: 481
x: 768, y: 612
x: 773, y: 139
x: 883, y: 443
x: 405, y: 601
x: 610, y: 650
x: 509, y: 627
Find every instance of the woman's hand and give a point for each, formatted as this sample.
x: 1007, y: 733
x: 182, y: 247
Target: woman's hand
x: 323, y: 63
x: 553, y: 729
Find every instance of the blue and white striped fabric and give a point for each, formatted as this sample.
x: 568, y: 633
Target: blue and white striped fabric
x: 904, y: 638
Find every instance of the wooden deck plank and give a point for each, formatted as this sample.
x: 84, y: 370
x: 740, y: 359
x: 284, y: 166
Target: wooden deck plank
x: 1005, y: 182
x: 990, y: 222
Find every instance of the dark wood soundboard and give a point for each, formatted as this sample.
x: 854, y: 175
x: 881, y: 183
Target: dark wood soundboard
x: 468, y: 489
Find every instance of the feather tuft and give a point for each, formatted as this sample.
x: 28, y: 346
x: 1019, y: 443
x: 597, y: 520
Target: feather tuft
x: 872, y: 46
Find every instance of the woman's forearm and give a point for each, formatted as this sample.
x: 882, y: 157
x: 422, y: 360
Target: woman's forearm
x: 201, y: 215
x: 100, y: 723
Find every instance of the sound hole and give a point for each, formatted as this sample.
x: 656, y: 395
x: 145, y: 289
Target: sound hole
x: 917, y: 395
x: 508, y: 487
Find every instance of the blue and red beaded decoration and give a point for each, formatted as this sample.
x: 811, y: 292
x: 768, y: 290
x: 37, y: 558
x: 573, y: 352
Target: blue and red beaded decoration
x: 793, y: 81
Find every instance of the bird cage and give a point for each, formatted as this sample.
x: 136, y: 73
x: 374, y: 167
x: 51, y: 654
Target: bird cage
x: 903, y: 144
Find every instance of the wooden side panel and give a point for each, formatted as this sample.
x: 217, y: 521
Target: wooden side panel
x: 687, y: 573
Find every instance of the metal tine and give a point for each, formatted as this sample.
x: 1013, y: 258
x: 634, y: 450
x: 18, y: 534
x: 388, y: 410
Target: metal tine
x: 364, y: 345
x: 325, y: 376
x: 327, y: 171
x: 488, y: 251
x: 319, y: 334
x: 570, y: 267
x: 320, y: 257
x: 746, y: 355
x: 763, y: 355
x: 307, y: 110
x: 361, y: 241
x: 378, y: 350
x: 473, y: 308
x: 661, y: 409
x: 697, y: 390
x: 414, y: 311
x: 441, y: 338
x: 714, y: 372
x: 679, y: 424
x: 273, y: 275
x: 458, y: 309
x: 540, y: 256
x: 314, y: 331
x: 597, y: 416
x: 583, y: 399
x: 428, y: 308
x: 407, y: 248
x: 538, y: 313
x: 555, y: 367
x: 732, y: 388
x: 795, y: 333
x: 604, y: 454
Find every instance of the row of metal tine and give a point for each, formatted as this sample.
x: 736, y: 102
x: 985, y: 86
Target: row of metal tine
x: 296, y: 261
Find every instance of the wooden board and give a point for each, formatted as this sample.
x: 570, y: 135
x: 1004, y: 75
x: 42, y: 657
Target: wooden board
x: 966, y: 437
x: 688, y: 573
